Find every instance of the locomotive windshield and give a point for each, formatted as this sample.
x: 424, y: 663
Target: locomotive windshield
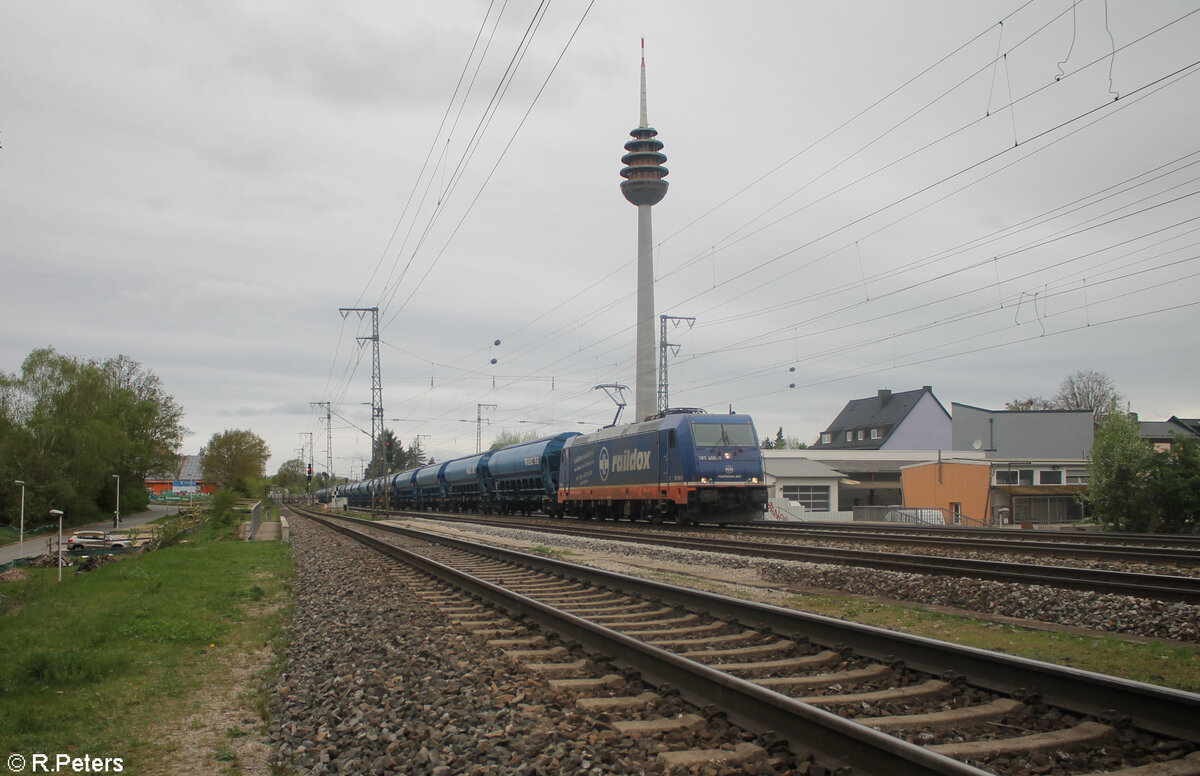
x: 724, y: 435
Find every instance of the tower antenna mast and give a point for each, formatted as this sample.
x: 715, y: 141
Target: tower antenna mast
x: 644, y: 187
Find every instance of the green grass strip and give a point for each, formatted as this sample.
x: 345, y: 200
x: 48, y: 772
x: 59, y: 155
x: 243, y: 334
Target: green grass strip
x: 92, y: 665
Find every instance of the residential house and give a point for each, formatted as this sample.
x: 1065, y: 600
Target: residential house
x: 1161, y: 433
x: 1033, y: 467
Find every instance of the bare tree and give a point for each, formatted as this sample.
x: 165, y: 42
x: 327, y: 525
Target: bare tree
x: 1087, y: 389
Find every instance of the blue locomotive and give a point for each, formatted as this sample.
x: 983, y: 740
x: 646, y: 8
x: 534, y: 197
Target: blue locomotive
x: 685, y: 467
x: 679, y: 466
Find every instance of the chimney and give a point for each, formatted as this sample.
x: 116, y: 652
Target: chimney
x: 885, y: 396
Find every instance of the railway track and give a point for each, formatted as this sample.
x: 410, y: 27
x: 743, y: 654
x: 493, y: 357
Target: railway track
x: 846, y: 694
x: 1163, y: 587
x: 949, y: 532
x: 1137, y: 548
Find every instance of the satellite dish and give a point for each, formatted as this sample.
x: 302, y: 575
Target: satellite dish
x: 977, y: 444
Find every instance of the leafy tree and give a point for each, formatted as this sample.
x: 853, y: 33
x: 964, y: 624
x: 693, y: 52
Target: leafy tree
x: 508, y: 438
x: 69, y: 424
x: 292, y: 475
x: 1177, y: 490
x: 1121, y: 472
x: 783, y: 443
x: 234, y: 460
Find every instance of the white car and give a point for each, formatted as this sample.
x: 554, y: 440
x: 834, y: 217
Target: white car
x: 96, y: 540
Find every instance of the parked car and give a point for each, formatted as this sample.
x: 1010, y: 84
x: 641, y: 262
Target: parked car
x: 96, y: 540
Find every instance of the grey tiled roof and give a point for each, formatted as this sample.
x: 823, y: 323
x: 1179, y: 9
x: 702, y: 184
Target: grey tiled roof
x: 189, y: 468
x: 1164, y: 429
x: 884, y: 411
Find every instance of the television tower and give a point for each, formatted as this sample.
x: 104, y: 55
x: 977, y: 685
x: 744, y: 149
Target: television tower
x: 644, y: 186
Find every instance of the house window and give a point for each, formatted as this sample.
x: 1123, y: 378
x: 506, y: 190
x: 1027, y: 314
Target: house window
x: 1025, y: 477
x: 826, y: 438
x: 1077, y: 476
x: 849, y: 436
x: 1051, y: 477
x: 1006, y: 477
x: 876, y: 434
x: 814, y: 498
x: 861, y: 435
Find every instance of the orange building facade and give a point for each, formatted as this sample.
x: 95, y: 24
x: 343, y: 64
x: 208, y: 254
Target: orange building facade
x: 957, y: 487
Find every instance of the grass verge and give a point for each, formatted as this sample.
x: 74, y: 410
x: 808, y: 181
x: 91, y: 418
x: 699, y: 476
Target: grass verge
x: 1154, y: 662
x: 95, y: 665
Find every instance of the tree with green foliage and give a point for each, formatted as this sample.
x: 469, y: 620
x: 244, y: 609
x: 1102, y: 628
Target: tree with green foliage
x: 1121, y: 470
x: 68, y: 424
x: 292, y: 476
x: 234, y: 460
x: 508, y: 438
x: 402, y: 458
x: 1177, y: 486
x: 380, y: 465
x: 414, y: 456
x: 783, y: 443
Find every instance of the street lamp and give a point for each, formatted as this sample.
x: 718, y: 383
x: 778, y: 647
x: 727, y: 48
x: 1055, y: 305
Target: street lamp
x: 59, y: 513
x: 117, y: 514
x: 21, y: 544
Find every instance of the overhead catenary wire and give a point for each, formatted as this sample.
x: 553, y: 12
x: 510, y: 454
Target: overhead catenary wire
x: 578, y: 360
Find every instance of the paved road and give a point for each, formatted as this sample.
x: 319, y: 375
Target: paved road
x: 37, y: 546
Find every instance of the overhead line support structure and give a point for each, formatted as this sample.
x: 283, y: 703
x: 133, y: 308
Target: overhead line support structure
x: 479, y: 408
x: 328, y: 435
x: 663, y: 402
x: 376, y: 376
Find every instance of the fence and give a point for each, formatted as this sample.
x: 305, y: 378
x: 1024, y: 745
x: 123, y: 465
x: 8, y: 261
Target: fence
x: 913, y: 515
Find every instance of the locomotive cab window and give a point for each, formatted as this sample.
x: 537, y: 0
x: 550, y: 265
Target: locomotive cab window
x: 671, y: 438
x: 724, y: 435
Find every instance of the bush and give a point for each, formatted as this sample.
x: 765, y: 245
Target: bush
x: 220, y: 508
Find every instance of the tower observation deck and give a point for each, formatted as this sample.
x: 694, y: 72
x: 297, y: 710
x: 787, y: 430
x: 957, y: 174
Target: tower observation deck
x: 644, y: 186
x: 644, y: 171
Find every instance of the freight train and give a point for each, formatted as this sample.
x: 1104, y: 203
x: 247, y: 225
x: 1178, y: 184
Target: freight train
x: 682, y: 466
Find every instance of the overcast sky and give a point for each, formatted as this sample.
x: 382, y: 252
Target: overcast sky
x: 982, y: 197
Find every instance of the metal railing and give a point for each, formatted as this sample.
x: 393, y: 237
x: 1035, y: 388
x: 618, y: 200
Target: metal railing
x: 914, y: 516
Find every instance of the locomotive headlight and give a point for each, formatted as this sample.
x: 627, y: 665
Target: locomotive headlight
x: 704, y: 480
x: 754, y: 480
x: 728, y: 456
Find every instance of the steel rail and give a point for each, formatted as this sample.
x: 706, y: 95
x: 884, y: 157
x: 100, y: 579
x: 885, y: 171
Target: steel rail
x: 1182, y: 555
x: 1122, y: 539
x: 1161, y: 710
x: 1163, y: 587
x: 1115, y: 553
x: 832, y: 740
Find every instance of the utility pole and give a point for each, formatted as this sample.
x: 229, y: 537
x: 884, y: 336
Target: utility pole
x: 328, y: 435
x: 376, y: 377
x: 663, y: 403
x: 479, y: 408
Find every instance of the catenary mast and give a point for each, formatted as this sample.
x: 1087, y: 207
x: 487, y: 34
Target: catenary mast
x: 644, y: 187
